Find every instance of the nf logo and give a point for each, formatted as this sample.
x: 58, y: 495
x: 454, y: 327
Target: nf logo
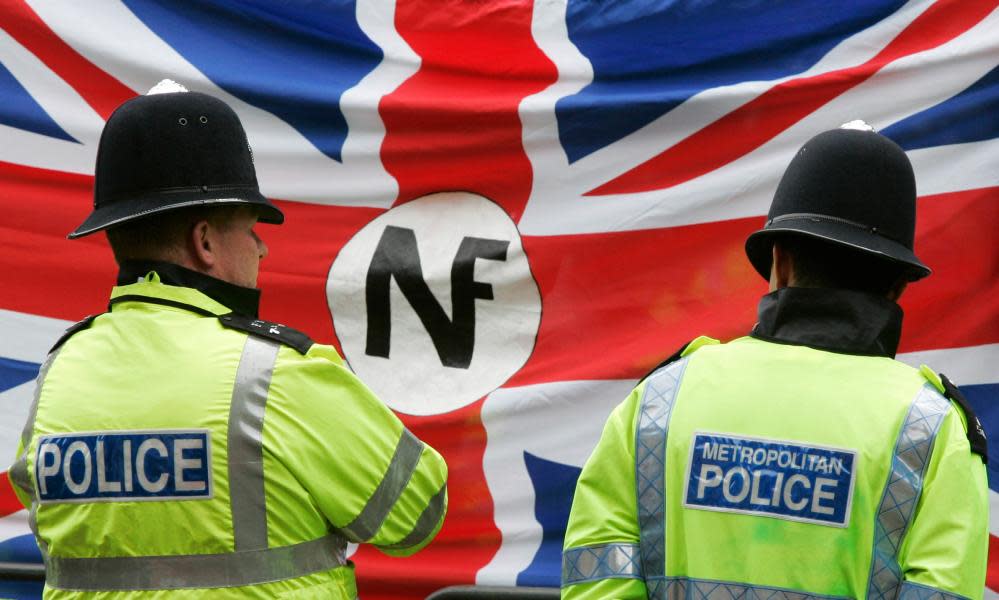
x: 397, y: 256
x: 434, y: 302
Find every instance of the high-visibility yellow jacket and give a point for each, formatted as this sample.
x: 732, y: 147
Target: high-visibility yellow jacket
x: 178, y: 448
x: 768, y: 468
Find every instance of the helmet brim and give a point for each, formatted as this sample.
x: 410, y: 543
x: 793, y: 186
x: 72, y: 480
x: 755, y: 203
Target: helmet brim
x: 760, y: 243
x: 118, y: 213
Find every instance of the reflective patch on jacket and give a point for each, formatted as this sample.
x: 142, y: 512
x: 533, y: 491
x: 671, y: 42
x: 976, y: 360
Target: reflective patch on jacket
x: 124, y: 466
x: 774, y: 478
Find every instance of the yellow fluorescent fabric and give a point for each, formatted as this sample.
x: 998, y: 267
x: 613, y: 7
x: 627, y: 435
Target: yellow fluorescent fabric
x: 770, y: 391
x: 603, y: 509
x: 327, y: 445
x: 947, y: 546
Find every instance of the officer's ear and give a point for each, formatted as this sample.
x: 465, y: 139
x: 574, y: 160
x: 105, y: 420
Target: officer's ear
x: 202, y: 243
x: 781, y: 268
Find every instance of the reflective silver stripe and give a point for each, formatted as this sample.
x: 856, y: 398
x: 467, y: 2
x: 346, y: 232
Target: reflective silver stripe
x: 683, y: 588
x: 246, y: 459
x: 232, y: 569
x: 686, y: 588
x: 901, y: 494
x: 918, y: 591
x: 397, y: 476
x: 426, y: 522
x: 607, y: 561
x: 19, y: 471
x: 650, y: 471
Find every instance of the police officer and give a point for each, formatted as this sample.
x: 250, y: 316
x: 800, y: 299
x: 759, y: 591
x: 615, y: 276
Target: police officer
x: 801, y: 461
x: 178, y: 442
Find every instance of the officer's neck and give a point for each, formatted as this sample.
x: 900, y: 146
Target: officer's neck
x: 242, y: 300
x: 844, y: 321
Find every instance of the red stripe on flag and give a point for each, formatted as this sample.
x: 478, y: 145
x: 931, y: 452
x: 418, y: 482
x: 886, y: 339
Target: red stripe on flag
x: 956, y: 305
x: 434, y: 143
x: 761, y: 119
x: 44, y: 273
x: 9, y: 503
x: 100, y: 90
x: 992, y: 569
x: 640, y: 293
x: 615, y: 304
x: 49, y: 275
x: 434, y: 137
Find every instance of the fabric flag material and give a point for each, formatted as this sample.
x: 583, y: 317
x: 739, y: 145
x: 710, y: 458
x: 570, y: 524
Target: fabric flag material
x: 572, y: 183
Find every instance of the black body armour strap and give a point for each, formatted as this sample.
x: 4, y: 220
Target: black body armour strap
x: 73, y: 330
x: 976, y: 433
x: 672, y: 359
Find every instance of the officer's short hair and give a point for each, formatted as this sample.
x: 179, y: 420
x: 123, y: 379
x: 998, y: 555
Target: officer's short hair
x: 158, y: 236
x: 818, y: 263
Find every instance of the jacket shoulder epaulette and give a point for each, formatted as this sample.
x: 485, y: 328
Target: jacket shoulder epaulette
x: 267, y: 329
x: 73, y: 330
x: 976, y: 433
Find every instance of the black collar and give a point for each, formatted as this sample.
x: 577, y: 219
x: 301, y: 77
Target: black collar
x: 242, y: 300
x: 842, y: 321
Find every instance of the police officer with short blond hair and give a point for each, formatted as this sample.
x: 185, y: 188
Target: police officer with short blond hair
x: 801, y: 461
x: 180, y: 446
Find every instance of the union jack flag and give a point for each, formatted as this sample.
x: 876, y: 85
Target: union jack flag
x: 609, y: 158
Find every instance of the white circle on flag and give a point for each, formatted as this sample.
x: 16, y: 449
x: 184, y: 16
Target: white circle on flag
x: 434, y: 302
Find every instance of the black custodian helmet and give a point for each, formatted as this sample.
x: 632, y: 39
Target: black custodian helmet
x: 849, y: 186
x: 170, y: 150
